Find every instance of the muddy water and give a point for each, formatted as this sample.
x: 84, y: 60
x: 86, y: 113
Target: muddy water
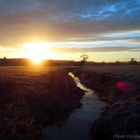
x: 76, y: 126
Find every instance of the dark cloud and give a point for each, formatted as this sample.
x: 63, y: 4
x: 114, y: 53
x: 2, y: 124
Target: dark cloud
x: 97, y: 49
x: 67, y: 19
x: 74, y: 50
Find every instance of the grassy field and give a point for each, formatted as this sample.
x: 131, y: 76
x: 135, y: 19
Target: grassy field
x: 119, y: 86
x: 32, y: 97
x: 116, y: 69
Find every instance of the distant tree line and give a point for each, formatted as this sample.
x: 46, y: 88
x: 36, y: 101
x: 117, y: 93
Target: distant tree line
x: 132, y: 61
x: 84, y: 61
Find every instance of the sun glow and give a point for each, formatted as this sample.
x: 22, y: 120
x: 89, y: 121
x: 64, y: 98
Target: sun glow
x: 36, y: 51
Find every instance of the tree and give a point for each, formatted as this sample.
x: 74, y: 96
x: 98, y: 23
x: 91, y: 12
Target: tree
x: 84, y: 58
x: 117, y: 62
x: 3, y: 61
x: 133, y: 61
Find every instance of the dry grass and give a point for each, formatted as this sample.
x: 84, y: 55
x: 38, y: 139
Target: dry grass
x: 122, y: 115
x: 116, y: 69
x: 32, y: 97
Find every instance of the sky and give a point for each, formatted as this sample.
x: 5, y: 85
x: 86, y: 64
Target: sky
x: 106, y: 30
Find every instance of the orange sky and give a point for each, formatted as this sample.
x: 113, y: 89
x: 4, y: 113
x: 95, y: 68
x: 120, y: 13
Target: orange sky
x: 105, y: 30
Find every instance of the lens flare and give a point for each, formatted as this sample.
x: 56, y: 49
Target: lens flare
x: 126, y: 87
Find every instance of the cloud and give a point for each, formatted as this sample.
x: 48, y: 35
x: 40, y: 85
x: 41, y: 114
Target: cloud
x: 96, y: 49
x: 62, y: 20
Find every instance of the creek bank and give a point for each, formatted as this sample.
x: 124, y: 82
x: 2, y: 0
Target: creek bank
x: 77, y: 125
x: 59, y: 97
x: 32, y: 102
x: 122, y: 115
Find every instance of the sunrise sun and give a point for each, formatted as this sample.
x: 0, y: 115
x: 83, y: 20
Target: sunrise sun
x: 36, y: 51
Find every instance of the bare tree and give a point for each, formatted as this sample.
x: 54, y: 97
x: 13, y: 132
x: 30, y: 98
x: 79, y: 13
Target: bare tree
x: 133, y: 61
x: 4, y: 58
x: 84, y: 58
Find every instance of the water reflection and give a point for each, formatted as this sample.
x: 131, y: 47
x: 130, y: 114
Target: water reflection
x: 78, y: 82
x: 76, y: 127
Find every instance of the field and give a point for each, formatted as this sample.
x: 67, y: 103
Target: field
x: 33, y: 97
x: 133, y: 70
x: 119, y: 86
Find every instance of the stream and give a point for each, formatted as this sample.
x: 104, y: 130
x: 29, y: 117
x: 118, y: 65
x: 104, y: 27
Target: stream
x: 77, y: 125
